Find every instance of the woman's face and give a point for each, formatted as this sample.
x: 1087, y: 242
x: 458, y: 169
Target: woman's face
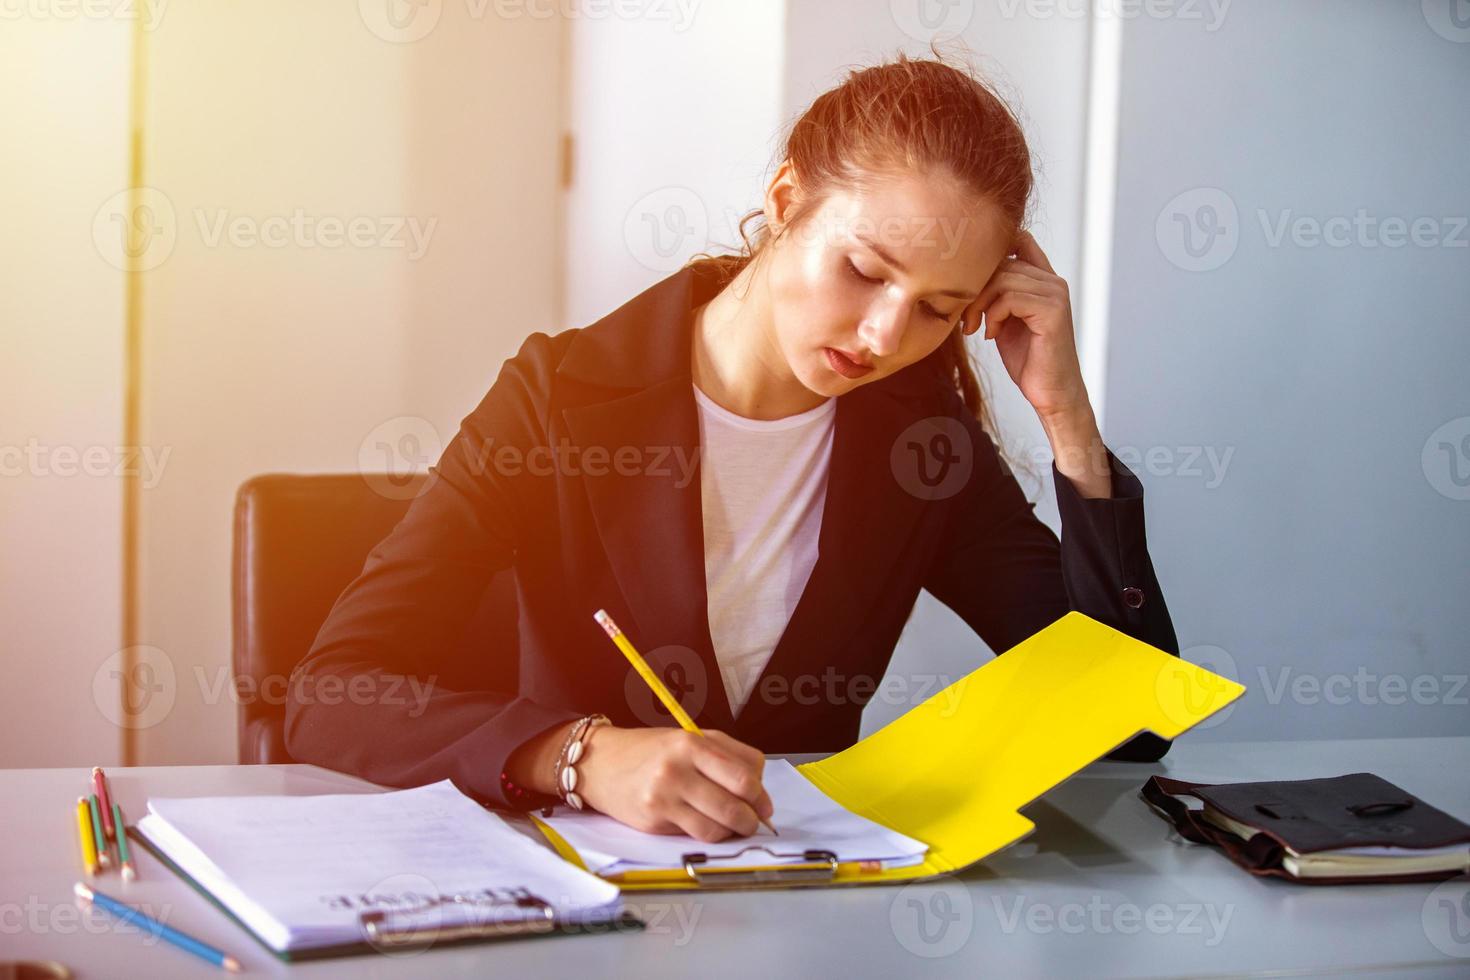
x: 871, y: 282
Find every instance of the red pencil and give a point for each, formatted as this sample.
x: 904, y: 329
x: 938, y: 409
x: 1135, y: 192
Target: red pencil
x: 104, y: 802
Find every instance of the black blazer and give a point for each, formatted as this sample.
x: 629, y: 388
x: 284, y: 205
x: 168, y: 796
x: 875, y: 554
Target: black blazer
x: 579, y: 470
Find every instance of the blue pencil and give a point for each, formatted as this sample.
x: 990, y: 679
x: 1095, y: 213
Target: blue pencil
x: 129, y: 914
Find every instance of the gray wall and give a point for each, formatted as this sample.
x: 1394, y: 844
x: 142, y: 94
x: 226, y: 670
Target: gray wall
x: 1332, y: 554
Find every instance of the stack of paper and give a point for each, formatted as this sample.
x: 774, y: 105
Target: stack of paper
x: 805, y: 817
x: 299, y: 871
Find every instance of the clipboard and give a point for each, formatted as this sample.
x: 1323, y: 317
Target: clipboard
x: 389, y: 931
x: 956, y: 770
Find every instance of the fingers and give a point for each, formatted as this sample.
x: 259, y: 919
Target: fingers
x: 696, y: 824
x: 732, y: 814
x: 734, y: 766
x: 1012, y: 304
x: 1014, y: 279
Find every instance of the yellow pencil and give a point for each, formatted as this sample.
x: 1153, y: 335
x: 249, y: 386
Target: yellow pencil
x: 653, y: 682
x: 88, y: 838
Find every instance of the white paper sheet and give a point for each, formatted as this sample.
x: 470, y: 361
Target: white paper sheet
x: 805, y: 817
x: 299, y: 870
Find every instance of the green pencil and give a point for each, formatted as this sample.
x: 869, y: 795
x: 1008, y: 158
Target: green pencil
x: 123, y: 854
x: 104, y: 859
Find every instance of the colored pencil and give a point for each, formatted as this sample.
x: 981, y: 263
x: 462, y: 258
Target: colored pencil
x: 104, y: 800
x: 652, y: 680
x: 84, y: 833
x: 123, y: 854
x: 137, y: 917
x: 104, y: 859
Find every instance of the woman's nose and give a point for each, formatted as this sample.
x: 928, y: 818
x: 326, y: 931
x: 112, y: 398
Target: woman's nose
x: 881, y: 331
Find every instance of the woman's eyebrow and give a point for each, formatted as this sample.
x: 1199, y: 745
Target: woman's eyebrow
x: 887, y: 256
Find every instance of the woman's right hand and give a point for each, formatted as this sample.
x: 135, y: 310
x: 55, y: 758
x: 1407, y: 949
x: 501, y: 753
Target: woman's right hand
x: 669, y: 781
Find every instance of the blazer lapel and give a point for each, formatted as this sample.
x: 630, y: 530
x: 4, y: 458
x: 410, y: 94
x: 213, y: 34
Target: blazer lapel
x: 652, y: 529
x: 652, y: 522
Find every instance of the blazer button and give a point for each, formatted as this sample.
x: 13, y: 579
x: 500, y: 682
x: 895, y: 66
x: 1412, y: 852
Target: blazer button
x: 1133, y: 597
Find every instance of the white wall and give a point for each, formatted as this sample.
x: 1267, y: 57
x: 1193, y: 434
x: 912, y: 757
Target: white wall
x: 301, y: 356
x: 675, y: 124
x: 63, y: 155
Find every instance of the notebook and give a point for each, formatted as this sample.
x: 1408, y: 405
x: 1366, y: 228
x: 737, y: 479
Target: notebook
x: 954, y: 772
x: 1352, y: 827
x: 358, y: 872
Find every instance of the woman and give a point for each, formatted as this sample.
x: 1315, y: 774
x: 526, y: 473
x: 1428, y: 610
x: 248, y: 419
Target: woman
x: 754, y: 466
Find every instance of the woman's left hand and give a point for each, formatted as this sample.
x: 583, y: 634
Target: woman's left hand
x: 1028, y: 312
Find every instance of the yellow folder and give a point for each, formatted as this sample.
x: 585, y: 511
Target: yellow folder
x: 955, y: 771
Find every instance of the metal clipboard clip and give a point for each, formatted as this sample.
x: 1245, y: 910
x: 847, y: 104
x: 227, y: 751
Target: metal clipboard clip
x: 812, y: 866
x: 461, y: 917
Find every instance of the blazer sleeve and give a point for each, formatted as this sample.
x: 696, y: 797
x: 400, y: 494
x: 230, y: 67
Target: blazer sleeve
x: 1006, y: 574
x: 404, y: 613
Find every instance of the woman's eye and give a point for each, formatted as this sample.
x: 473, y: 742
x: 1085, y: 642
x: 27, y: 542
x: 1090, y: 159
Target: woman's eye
x: 854, y: 270
x: 927, y: 308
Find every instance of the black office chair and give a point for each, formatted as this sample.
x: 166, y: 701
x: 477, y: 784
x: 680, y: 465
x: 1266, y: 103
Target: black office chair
x: 298, y: 542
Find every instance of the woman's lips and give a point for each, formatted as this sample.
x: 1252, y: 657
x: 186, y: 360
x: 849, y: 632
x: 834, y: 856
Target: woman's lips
x: 845, y: 365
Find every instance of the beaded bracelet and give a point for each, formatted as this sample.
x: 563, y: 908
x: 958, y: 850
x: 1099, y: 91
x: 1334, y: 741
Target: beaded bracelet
x: 529, y: 798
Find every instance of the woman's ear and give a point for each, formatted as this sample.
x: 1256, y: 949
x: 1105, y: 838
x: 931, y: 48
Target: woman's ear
x: 782, y: 193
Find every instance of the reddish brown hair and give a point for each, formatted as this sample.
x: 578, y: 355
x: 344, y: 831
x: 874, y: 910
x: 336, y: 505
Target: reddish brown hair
x: 906, y: 116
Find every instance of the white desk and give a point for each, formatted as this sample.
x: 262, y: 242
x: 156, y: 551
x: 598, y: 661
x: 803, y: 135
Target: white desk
x: 1101, y: 888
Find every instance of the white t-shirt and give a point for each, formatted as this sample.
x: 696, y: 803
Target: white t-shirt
x: 763, y: 485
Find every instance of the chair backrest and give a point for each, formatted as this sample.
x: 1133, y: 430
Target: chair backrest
x: 298, y: 542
